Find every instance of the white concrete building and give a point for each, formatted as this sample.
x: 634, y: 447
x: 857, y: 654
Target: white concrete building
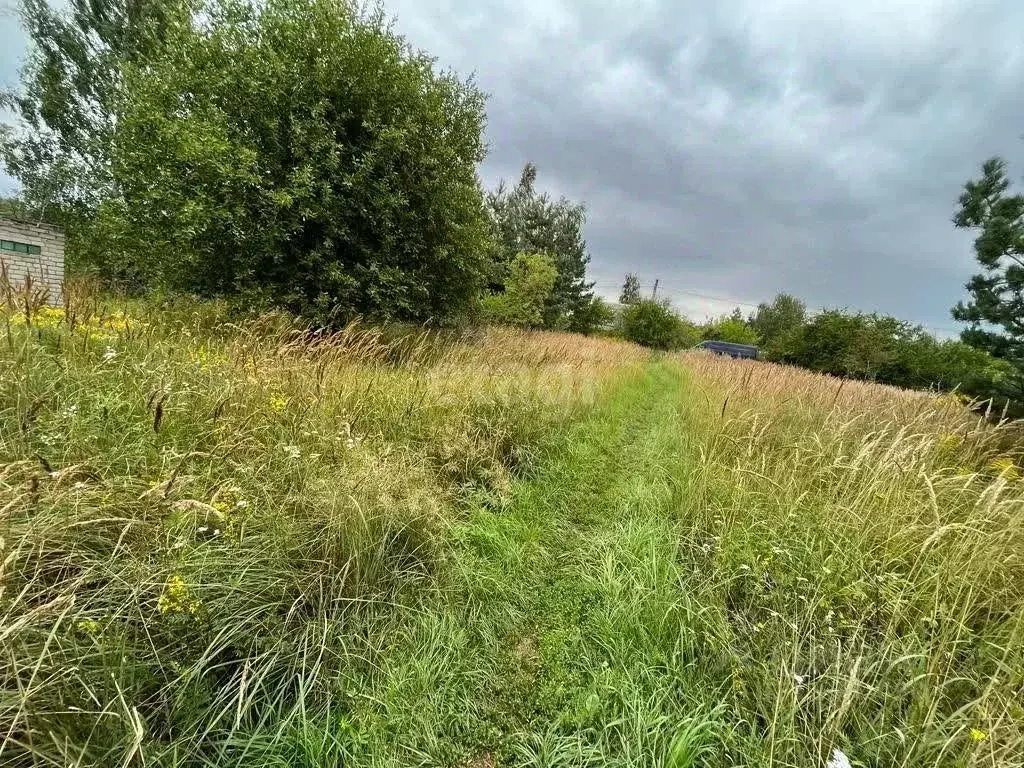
x: 33, y: 249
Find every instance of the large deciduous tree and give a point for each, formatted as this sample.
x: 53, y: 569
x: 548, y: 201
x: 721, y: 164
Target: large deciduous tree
x: 296, y: 150
x: 59, y: 147
x: 526, y: 220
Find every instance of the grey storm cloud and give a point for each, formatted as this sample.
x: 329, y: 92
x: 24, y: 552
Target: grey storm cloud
x: 739, y: 148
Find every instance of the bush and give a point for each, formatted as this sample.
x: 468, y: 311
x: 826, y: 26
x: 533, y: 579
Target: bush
x: 594, y: 315
x: 653, y: 324
x: 300, y: 150
x: 531, y: 279
x: 731, y: 329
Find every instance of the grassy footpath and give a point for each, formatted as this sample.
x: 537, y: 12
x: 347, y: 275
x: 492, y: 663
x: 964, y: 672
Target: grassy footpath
x: 677, y: 585
x: 262, y: 546
x: 558, y: 637
x: 213, y: 537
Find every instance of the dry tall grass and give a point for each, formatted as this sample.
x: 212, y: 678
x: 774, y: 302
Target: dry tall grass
x: 874, y: 541
x: 202, y: 523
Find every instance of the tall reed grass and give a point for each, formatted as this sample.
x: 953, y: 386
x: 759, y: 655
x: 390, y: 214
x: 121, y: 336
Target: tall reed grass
x: 204, y: 521
x: 866, y: 546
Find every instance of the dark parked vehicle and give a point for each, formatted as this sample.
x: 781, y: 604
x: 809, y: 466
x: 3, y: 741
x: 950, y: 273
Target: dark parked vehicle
x: 744, y: 351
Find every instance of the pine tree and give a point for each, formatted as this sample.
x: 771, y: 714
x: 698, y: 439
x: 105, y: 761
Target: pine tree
x: 527, y: 221
x: 996, y: 308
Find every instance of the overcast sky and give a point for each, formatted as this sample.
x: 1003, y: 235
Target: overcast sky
x: 738, y: 148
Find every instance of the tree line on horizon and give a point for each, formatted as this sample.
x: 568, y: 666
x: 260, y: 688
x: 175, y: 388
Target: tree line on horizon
x: 866, y: 346
x: 301, y: 154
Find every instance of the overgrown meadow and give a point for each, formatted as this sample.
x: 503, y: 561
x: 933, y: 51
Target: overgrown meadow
x: 204, y: 522
x: 230, y: 541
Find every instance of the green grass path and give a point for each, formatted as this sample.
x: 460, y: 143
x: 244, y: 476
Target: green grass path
x: 558, y: 635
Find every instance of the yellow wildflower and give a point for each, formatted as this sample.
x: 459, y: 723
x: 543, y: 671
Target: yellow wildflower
x: 1005, y: 468
x: 88, y: 627
x: 278, y: 403
x: 978, y: 735
x: 228, y: 502
x: 202, y: 357
x: 176, y: 598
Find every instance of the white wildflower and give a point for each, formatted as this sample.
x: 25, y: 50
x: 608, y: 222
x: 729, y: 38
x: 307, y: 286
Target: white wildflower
x: 292, y: 451
x: 839, y: 760
x: 744, y: 567
x: 109, y: 354
x: 799, y: 679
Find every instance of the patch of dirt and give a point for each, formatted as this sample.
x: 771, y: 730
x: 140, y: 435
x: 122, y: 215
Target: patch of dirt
x: 486, y: 760
x: 526, y: 651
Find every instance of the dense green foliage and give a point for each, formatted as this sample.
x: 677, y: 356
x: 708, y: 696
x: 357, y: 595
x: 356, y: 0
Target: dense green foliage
x: 72, y: 84
x: 655, y: 324
x: 778, y: 324
x: 293, y: 150
x: 529, y: 221
x: 888, y: 350
x: 528, y: 286
x: 593, y: 315
x: 996, y: 308
x: 355, y: 156
x: 731, y: 328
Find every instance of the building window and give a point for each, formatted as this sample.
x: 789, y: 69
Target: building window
x: 10, y: 245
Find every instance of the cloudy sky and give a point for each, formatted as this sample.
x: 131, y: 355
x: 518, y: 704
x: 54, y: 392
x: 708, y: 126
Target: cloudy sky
x: 738, y: 148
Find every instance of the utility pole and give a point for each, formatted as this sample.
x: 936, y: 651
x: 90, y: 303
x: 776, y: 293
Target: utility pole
x: 654, y: 293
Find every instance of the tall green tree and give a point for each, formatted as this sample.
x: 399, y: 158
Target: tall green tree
x: 65, y: 110
x: 297, y: 150
x: 526, y: 220
x: 71, y: 83
x: 630, y: 290
x: 995, y: 310
x: 778, y: 324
